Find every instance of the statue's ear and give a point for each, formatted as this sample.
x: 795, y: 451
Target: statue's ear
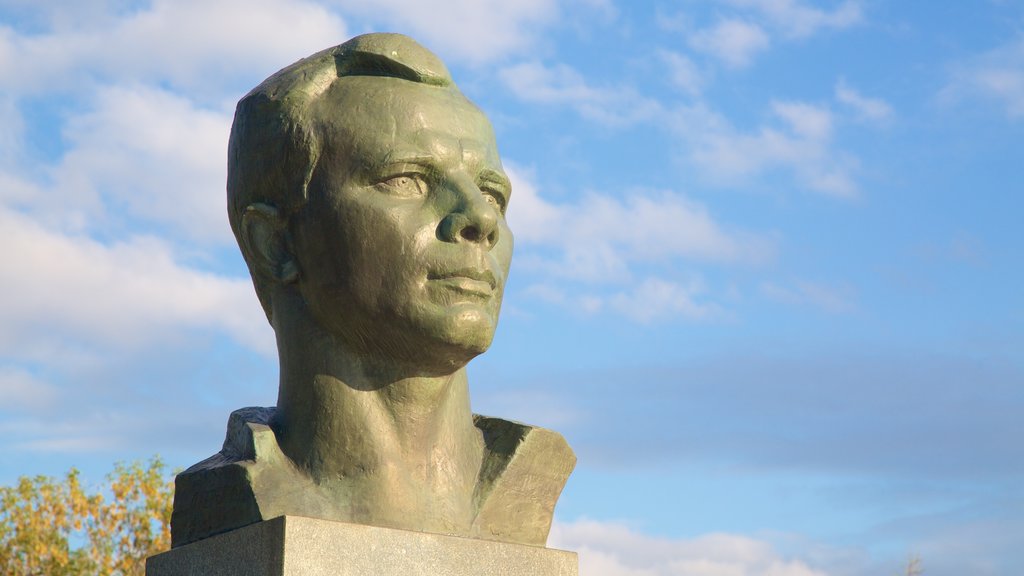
x: 264, y: 241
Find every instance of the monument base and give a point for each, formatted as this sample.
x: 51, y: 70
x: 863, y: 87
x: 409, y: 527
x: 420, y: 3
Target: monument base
x: 294, y: 546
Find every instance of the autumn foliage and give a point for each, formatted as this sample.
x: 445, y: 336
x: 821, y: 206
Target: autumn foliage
x: 56, y: 527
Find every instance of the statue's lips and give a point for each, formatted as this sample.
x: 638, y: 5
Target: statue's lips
x: 467, y: 280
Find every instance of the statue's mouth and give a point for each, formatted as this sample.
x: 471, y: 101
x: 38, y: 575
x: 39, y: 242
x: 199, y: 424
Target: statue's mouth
x: 467, y: 280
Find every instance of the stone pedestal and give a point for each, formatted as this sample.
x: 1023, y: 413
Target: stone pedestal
x: 298, y: 546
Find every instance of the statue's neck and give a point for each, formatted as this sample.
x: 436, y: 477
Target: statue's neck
x: 342, y: 415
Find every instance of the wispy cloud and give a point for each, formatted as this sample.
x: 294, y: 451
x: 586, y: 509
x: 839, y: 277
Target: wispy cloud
x: 475, y: 32
x: 598, y: 237
x: 805, y: 293
x: 647, y: 301
x: 799, y: 141
x: 73, y: 291
x: 656, y: 299
x: 683, y: 72
x: 797, y: 19
x: 866, y: 108
x: 152, y: 152
x: 111, y: 190
x: 734, y: 42
x: 193, y: 44
x: 102, y: 223
x: 560, y: 84
x: 23, y: 392
x: 997, y: 76
x: 805, y: 120
x: 600, y: 247
x: 100, y: 423
x: 750, y: 27
x: 612, y: 549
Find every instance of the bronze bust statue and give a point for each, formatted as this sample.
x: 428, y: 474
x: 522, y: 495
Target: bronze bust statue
x: 368, y: 199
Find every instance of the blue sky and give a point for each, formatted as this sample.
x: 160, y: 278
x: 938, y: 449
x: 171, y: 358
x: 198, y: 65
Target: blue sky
x: 767, y: 280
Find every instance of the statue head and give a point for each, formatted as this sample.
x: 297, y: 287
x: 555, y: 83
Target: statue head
x: 367, y: 196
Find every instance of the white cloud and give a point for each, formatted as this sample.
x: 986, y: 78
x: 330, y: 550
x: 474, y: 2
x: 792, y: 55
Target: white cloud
x: 23, y: 392
x: 138, y: 155
x: 534, y: 82
x: 154, y: 153
x: 532, y: 219
x: 473, y: 31
x: 560, y: 84
x: 65, y: 14
x: 734, y: 42
x: 797, y: 19
x: 866, y: 108
x: 802, y: 145
x: 739, y: 36
x: 682, y: 72
x: 655, y: 299
x: 610, y: 549
x: 66, y: 292
x: 101, y: 424
x: 802, y: 293
x: 805, y: 120
x: 648, y: 301
x: 196, y: 44
x: 672, y: 21
x: 119, y: 424
x: 997, y: 75
x: 598, y: 237
x: 599, y: 240
x: 85, y: 294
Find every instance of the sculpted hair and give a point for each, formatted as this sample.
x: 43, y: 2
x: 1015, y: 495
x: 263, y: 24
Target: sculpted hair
x: 276, y: 138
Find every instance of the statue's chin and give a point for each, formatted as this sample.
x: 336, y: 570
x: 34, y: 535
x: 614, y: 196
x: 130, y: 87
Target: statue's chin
x: 425, y: 340
x: 464, y: 333
x: 441, y: 341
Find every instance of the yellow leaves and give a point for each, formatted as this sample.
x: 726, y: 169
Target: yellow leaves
x: 55, y: 528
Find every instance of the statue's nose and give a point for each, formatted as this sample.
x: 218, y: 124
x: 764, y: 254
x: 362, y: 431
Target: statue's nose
x: 472, y: 219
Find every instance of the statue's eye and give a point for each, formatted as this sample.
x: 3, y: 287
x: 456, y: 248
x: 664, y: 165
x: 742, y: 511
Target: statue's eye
x: 496, y: 188
x: 495, y: 199
x: 408, y: 185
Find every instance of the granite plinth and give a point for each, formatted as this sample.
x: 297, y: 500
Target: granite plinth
x: 294, y: 546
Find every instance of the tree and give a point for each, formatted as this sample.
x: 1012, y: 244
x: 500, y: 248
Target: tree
x: 51, y: 527
x: 913, y: 567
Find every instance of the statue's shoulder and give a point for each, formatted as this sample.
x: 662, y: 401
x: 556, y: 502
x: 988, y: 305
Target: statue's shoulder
x: 228, y: 481
x: 523, y: 472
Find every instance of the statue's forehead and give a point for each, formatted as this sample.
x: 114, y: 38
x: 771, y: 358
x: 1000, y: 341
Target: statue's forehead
x: 404, y: 117
x: 380, y: 100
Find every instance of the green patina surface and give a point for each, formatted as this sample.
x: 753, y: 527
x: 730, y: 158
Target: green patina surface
x: 368, y: 199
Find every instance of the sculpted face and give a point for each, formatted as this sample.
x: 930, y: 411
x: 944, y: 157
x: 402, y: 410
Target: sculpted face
x: 402, y: 247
